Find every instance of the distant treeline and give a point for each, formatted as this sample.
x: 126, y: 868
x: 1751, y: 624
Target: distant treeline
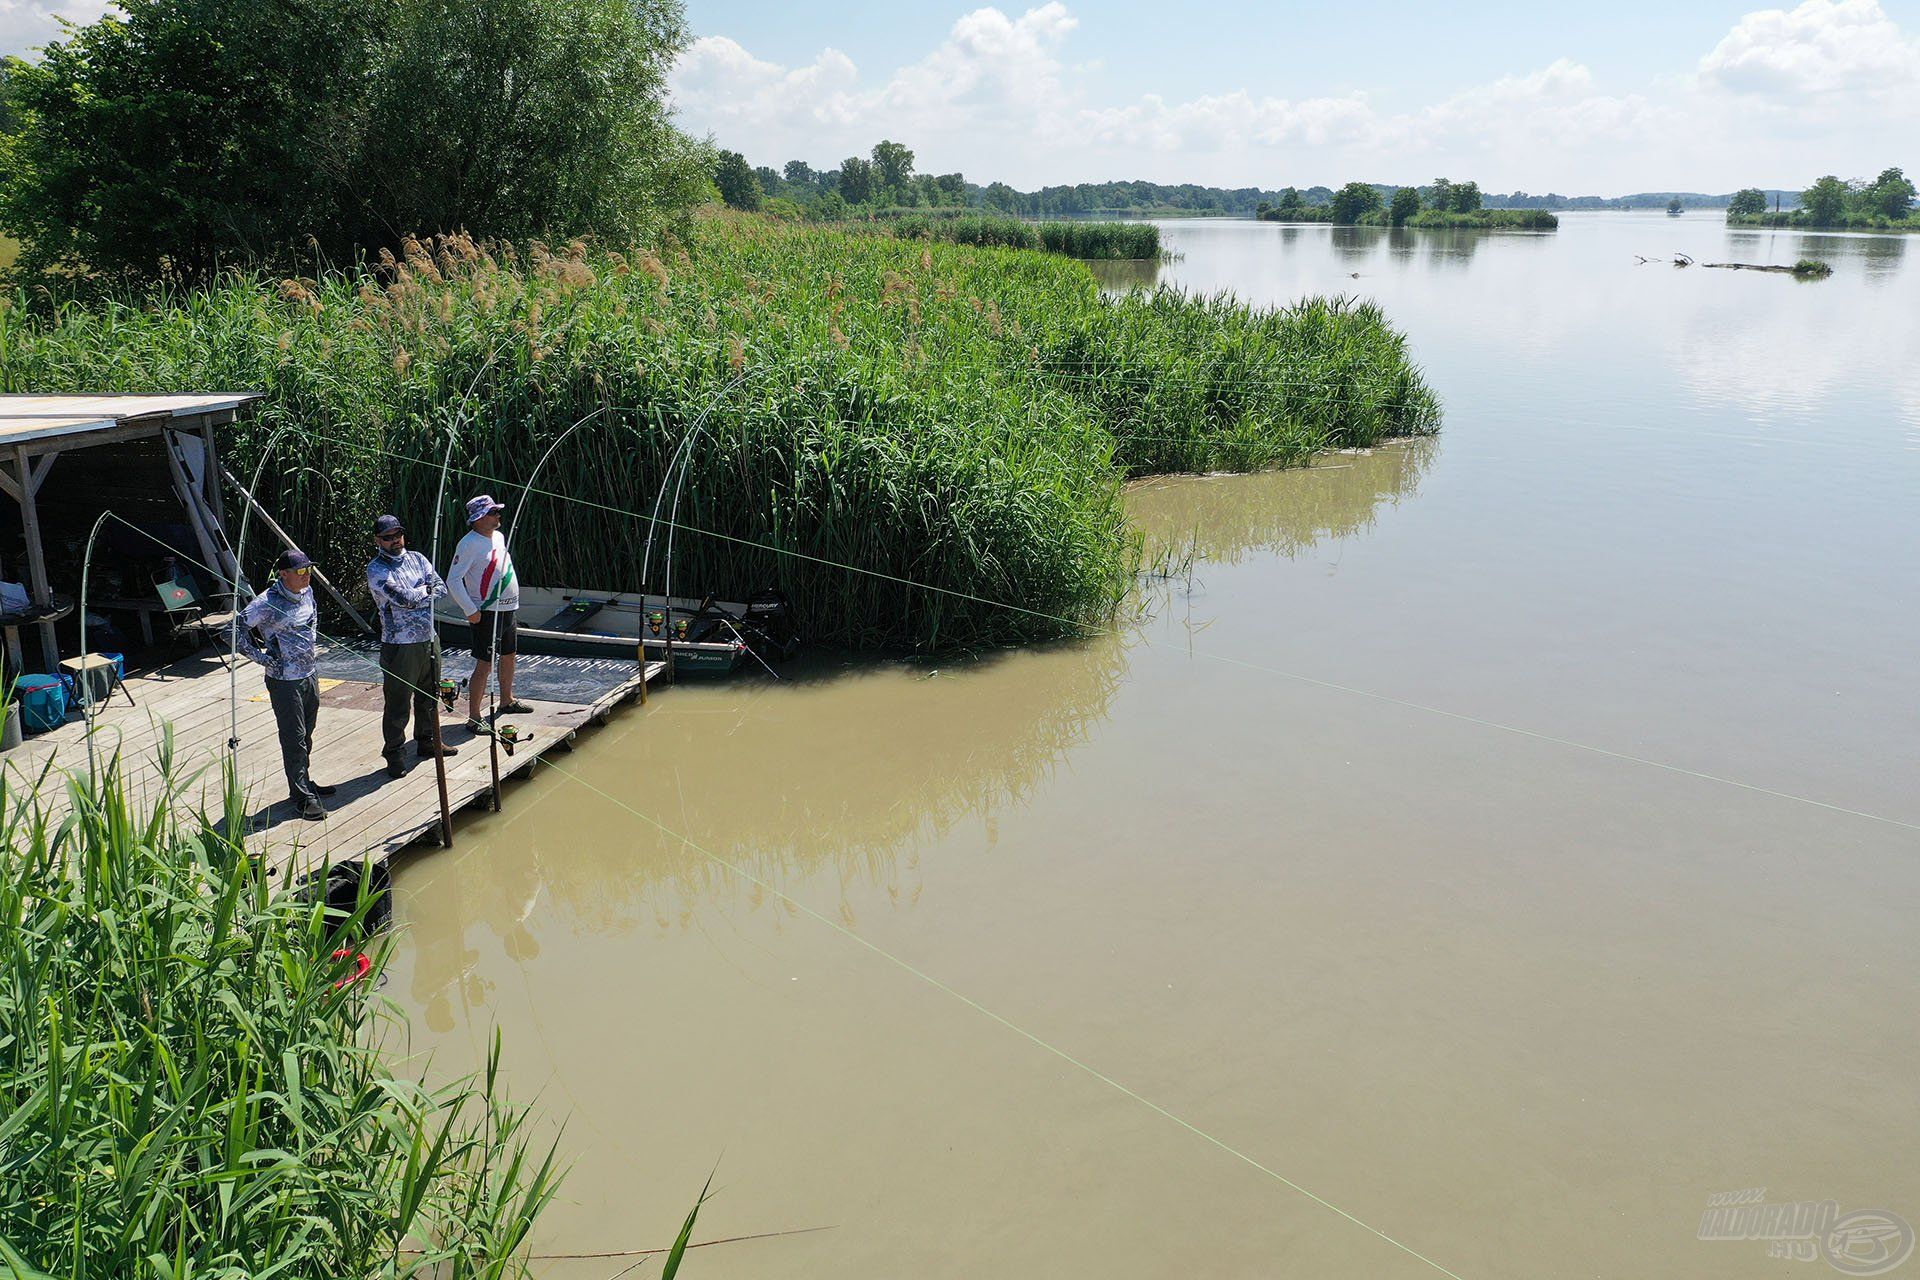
x: 1442, y: 203
x: 1884, y: 204
x: 884, y: 179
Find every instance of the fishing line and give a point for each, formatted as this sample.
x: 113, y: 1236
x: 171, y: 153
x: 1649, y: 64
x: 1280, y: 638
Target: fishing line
x: 1065, y: 1056
x: 1090, y: 631
x: 910, y: 968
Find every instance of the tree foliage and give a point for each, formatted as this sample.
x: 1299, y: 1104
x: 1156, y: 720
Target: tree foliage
x: 739, y: 185
x: 1748, y: 202
x: 1406, y: 203
x: 1825, y: 202
x: 892, y: 165
x: 1354, y: 201
x: 183, y: 137
x: 856, y: 180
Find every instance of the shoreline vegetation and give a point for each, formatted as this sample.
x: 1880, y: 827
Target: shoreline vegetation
x: 1886, y: 203
x: 194, y: 1083
x: 1441, y: 204
x: 927, y: 413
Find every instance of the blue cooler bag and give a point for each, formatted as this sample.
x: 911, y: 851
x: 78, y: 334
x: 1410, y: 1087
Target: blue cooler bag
x: 43, y: 702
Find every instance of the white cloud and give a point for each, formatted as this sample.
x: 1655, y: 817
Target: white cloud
x: 1849, y: 48
x: 29, y: 24
x: 1001, y: 98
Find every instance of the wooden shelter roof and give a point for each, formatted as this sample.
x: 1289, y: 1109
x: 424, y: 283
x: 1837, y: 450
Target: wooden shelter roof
x: 28, y: 418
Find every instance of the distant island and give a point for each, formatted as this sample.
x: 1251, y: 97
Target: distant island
x: 1884, y: 204
x: 1443, y: 203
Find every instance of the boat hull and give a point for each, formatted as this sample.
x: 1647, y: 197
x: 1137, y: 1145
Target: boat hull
x: 578, y: 623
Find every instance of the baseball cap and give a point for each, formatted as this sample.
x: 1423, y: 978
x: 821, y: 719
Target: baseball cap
x: 293, y: 558
x: 384, y: 525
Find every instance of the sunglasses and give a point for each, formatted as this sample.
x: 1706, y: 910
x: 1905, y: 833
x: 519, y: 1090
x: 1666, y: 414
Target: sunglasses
x: 395, y: 536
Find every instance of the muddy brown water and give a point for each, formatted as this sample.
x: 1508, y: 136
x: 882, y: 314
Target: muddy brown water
x: 1510, y: 839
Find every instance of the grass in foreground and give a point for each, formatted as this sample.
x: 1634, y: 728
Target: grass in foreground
x: 928, y: 413
x: 186, y: 1088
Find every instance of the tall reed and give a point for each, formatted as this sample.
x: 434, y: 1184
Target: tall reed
x: 953, y: 423
x: 191, y: 1086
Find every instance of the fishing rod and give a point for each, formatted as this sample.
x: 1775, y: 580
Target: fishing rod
x: 439, y: 506
x: 682, y: 459
x: 506, y: 542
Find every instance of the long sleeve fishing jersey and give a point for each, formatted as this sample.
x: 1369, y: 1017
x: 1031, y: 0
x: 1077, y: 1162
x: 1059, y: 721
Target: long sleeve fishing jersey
x: 288, y: 628
x: 404, y: 588
x: 480, y: 579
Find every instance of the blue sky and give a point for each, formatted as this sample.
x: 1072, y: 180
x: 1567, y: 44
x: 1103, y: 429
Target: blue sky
x: 1630, y: 95
x: 1590, y: 98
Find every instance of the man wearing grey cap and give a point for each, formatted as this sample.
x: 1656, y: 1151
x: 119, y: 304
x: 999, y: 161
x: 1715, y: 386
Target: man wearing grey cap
x: 282, y: 635
x: 404, y: 586
x: 481, y: 582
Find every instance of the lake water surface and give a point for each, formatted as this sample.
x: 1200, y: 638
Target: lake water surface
x: 1510, y: 839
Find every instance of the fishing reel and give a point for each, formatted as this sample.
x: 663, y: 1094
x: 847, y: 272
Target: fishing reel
x: 509, y: 736
x: 450, y: 694
x: 655, y: 621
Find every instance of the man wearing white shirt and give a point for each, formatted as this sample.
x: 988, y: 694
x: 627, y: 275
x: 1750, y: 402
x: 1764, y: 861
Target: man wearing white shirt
x: 481, y: 582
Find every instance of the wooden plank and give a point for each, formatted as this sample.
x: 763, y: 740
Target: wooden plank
x: 371, y: 818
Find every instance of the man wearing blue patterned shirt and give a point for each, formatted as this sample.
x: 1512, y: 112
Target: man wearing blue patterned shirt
x: 282, y: 635
x: 404, y: 587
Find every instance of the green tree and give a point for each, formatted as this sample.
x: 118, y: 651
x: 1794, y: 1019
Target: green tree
x: 737, y: 183
x: 9, y: 119
x: 180, y: 138
x: 856, y: 180
x: 518, y: 118
x: 1891, y: 195
x: 1406, y: 203
x: 799, y: 173
x: 952, y: 188
x: 184, y: 136
x: 1290, y: 204
x: 1354, y: 201
x: 1465, y: 198
x: 1824, y: 204
x: 1440, y: 195
x: 892, y: 166
x: 1748, y: 202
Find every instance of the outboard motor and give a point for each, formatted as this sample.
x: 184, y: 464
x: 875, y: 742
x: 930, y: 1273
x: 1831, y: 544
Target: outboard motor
x: 769, y: 628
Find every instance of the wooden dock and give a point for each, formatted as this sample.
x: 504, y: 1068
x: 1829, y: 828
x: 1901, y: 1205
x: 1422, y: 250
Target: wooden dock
x: 371, y: 816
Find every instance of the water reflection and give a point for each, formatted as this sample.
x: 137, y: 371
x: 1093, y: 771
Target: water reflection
x: 1355, y: 244
x: 1125, y: 275
x: 1222, y: 519
x: 1452, y: 248
x: 1879, y: 255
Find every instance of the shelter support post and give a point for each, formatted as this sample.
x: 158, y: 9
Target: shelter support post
x: 23, y: 485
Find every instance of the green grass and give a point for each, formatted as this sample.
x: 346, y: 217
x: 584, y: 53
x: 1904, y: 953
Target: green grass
x: 954, y: 423
x: 184, y: 1090
x: 1812, y: 267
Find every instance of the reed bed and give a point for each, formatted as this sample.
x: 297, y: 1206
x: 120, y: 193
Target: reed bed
x: 953, y: 423
x: 189, y: 1088
x: 1100, y: 241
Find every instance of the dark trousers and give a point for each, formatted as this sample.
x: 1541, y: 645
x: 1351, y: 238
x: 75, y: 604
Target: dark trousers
x: 410, y: 681
x: 296, y: 708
